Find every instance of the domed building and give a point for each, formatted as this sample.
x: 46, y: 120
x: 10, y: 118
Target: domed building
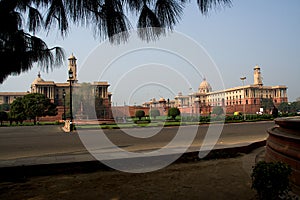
x: 56, y: 92
x: 204, y: 87
x: 41, y: 86
x: 245, y: 99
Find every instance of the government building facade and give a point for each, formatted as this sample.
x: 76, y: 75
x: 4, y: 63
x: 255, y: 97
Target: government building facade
x: 58, y: 92
x: 246, y: 98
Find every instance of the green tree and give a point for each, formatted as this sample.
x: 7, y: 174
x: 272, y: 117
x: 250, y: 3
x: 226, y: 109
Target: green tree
x: 37, y: 105
x: 3, y: 116
x: 4, y: 107
x: 154, y: 113
x: 22, y: 19
x: 217, y: 110
x: 267, y: 104
x: 295, y: 106
x: 284, y: 107
x: 17, y: 111
x: 139, y: 114
x: 173, y: 112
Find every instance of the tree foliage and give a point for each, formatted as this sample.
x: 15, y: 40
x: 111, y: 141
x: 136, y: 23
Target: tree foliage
x: 292, y: 107
x: 4, y: 107
x: 173, y: 112
x: 32, y: 106
x: 139, y: 114
x: 22, y: 19
x: 267, y: 104
x: 17, y: 111
x: 271, y: 180
x: 3, y: 116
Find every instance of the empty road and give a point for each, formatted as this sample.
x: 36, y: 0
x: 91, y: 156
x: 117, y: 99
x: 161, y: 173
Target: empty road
x: 31, y: 141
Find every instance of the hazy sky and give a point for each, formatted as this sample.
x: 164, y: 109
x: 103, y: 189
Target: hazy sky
x: 264, y: 33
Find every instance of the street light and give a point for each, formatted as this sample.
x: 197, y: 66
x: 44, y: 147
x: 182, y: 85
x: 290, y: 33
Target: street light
x: 71, y: 114
x: 64, y: 97
x: 243, y: 80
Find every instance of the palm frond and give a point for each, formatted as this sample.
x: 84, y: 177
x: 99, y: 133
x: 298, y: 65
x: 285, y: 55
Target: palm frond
x: 149, y: 27
x: 133, y: 5
x: 35, y: 20
x: 112, y: 22
x: 168, y: 12
x: 57, y: 12
x: 206, y: 5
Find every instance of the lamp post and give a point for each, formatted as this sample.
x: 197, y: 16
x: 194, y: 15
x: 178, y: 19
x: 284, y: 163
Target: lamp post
x: 71, y: 114
x: 64, y: 97
x: 243, y: 80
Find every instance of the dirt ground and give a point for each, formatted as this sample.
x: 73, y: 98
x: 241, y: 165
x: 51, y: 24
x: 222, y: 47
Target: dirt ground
x: 213, y: 179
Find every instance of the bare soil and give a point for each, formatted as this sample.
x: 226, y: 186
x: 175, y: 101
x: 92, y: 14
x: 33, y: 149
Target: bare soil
x: 213, y: 179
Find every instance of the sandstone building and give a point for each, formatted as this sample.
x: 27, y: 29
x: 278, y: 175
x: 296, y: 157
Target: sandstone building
x: 248, y: 97
x: 56, y: 92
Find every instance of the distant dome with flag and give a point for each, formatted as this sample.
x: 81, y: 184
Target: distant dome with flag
x: 38, y: 79
x: 204, y: 87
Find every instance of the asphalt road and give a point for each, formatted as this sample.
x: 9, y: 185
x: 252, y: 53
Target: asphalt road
x: 30, y: 141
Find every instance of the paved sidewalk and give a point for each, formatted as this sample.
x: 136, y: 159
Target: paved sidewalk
x: 212, y: 179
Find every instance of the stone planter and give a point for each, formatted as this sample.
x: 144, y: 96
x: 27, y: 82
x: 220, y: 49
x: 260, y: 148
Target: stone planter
x: 283, y: 144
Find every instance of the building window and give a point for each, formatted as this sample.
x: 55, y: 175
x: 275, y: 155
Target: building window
x: 254, y: 101
x: 246, y: 101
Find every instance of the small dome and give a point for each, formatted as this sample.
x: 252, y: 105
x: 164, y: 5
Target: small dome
x: 38, y: 79
x: 72, y: 57
x: 204, y: 87
x: 162, y: 100
x: 256, y: 67
x: 179, y: 93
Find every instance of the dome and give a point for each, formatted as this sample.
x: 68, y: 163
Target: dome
x: 162, y: 100
x: 204, y: 87
x: 256, y: 67
x: 72, y: 57
x: 38, y: 79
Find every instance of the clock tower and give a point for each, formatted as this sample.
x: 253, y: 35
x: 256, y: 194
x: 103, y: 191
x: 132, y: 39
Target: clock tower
x: 73, y: 67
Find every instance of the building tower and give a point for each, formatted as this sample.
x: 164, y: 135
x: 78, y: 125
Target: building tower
x: 257, y: 76
x: 73, y: 67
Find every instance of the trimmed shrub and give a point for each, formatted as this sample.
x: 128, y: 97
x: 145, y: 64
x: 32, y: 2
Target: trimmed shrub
x: 139, y: 114
x: 173, y: 112
x: 271, y: 180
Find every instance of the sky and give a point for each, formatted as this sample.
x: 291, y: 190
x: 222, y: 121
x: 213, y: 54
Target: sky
x: 221, y: 47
